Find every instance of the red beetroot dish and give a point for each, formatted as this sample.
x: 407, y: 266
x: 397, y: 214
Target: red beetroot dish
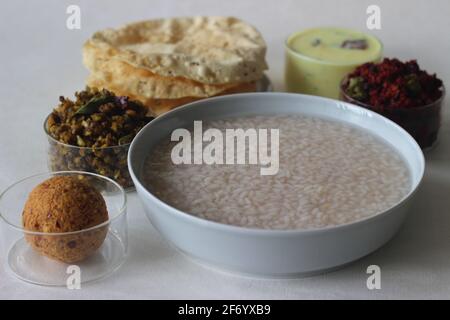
x: 400, y: 91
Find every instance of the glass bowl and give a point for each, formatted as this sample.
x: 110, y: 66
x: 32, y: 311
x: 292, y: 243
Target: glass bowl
x: 422, y: 123
x: 309, y: 75
x: 110, y: 162
x: 104, y: 256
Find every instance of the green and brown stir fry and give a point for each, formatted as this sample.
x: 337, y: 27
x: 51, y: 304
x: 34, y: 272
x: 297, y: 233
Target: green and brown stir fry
x: 96, y: 119
x: 95, y: 131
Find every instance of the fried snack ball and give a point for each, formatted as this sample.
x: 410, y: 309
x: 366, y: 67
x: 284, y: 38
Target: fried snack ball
x: 64, y: 204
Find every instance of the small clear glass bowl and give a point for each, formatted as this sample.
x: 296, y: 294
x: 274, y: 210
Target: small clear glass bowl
x: 106, y: 161
x: 29, y: 265
x: 422, y: 123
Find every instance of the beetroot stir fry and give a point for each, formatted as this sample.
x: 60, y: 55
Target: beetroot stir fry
x: 393, y: 84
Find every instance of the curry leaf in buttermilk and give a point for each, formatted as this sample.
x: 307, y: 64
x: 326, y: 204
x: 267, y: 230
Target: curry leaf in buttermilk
x: 359, y: 44
x: 316, y: 42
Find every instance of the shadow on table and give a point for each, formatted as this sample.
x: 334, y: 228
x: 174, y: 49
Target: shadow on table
x: 423, y: 244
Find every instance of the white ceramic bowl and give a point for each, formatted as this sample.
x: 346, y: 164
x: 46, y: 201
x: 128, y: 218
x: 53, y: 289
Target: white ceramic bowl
x: 273, y: 253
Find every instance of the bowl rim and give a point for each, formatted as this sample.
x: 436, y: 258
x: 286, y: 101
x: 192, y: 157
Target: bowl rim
x: 370, y: 107
x: 272, y: 232
x: 50, y: 137
x: 120, y: 212
x: 288, y: 47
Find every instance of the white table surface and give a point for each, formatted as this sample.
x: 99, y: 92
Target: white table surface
x: 41, y: 59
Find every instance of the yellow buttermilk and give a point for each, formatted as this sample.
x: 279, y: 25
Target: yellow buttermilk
x: 317, y: 59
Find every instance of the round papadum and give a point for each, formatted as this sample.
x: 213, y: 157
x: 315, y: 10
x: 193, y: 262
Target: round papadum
x: 143, y: 82
x: 210, y: 50
x: 158, y: 106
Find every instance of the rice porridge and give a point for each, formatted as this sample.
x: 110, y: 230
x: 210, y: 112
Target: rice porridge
x: 329, y: 174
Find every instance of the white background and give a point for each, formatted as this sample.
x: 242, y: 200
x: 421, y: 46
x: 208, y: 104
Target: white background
x: 41, y: 59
